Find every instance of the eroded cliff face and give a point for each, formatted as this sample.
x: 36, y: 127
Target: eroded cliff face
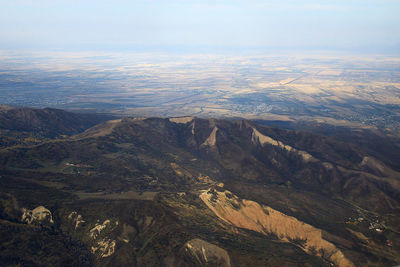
x: 202, y: 253
x: 250, y: 215
x: 258, y: 137
x: 212, y: 139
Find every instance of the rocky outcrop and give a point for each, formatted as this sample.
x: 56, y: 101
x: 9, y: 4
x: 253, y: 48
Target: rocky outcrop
x: 102, y: 245
x: 198, y: 252
x: 250, y: 215
x: 39, y: 215
x: 212, y: 139
x: 76, y: 219
x: 96, y: 230
x: 104, y: 248
x: 258, y: 137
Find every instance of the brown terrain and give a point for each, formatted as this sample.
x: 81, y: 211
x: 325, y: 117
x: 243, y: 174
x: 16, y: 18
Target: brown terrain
x: 263, y: 219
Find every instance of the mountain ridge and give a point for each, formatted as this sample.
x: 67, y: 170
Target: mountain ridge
x: 328, y: 184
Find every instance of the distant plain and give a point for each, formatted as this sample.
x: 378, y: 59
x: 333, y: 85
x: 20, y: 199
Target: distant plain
x: 359, y: 91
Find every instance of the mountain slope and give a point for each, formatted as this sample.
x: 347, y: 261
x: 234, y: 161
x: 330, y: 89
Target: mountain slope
x: 141, y: 181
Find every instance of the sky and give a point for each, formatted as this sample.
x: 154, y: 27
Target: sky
x: 141, y: 24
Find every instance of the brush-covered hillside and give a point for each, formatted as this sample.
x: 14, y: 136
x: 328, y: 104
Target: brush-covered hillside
x: 195, y: 192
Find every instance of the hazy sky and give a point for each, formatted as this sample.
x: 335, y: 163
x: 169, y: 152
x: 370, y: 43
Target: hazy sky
x: 220, y: 23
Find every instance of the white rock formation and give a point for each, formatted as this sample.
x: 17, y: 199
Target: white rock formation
x: 96, y: 230
x: 104, y: 248
x: 38, y: 215
x: 76, y: 219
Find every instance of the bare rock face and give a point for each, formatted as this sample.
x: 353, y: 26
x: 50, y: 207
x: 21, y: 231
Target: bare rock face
x: 250, y: 215
x: 198, y: 252
x: 258, y: 137
x: 39, y: 215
